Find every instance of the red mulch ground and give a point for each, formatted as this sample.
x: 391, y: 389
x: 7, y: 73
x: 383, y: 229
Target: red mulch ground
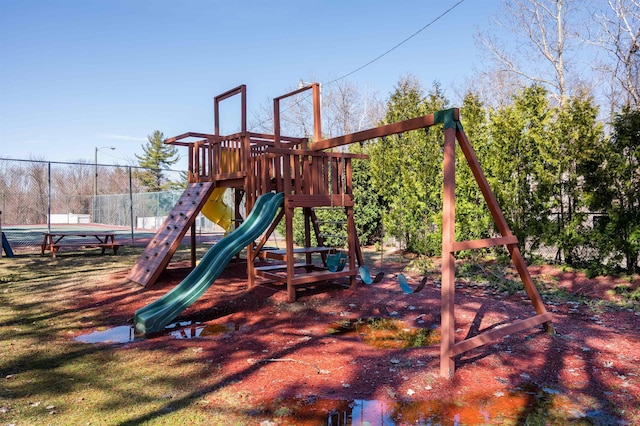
x: 273, y: 350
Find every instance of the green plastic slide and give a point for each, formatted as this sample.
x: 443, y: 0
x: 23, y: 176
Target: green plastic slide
x: 153, y: 317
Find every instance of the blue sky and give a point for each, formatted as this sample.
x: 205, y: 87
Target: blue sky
x: 81, y: 74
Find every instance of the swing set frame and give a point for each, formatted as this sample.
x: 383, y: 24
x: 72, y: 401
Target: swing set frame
x: 453, y: 132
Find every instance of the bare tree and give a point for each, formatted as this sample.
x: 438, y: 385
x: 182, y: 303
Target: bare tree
x: 345, y: 109
x: 538, y: 51
x: 619, y: 37
x: 37, y: 175
x: 296, y: 117
x: 72, y: 188
x: 349, y: 109
x: 494, y: 86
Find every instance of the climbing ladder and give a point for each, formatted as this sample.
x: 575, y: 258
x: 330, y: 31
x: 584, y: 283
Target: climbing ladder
x: 164, y: 244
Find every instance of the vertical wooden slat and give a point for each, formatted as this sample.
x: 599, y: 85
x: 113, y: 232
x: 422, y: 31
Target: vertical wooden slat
x: 266, y: 174
x: 313, y: 175
x: 447, y: 323
x: 306, y: 174
x: 286, y: 164
x: 323, y: 187
x: 349, y: 176
x: 196, y: 161
x: 191, y: 176
x: 335, y: 174
x: 297, y: 177
x: 209, y: 156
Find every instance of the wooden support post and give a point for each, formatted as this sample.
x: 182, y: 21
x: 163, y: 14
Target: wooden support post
x: 276, y: 143
x: 291, y: 258
x: 317, y: 120
x: 193, y: 244
x: 351, y: 243
x: 447, y: 323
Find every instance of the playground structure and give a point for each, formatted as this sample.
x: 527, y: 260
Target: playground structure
x: 308, y: 176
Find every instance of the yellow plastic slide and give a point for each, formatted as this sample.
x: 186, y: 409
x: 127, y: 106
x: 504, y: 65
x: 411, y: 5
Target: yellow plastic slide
x: 217, y: 211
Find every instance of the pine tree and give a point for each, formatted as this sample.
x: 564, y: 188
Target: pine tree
x: 157, y: 158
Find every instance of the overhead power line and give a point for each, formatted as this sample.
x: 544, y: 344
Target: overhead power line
x: 430, y: 23
x: 433, y: 21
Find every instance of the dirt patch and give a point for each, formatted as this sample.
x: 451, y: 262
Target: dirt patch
x: 272, y: 351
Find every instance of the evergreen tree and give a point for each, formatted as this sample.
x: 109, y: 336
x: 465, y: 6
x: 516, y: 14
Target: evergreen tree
x: 473, y: 219
x: 157, y: 158
x: 577, y: 133
x: 406, y: 169
x: 521, y: 164
x: 368, y: 206
x: 612, y: 178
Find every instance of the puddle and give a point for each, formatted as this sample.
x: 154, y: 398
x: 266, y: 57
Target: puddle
x: 527, y: 405
x: 195, y: 330
x: 121, y: 334
x: 179, y: 330
x: 386, y: 333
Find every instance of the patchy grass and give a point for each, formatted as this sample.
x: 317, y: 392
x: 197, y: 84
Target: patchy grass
x: 46, y: 377
x: 499, y: 276
x: 386, y: 333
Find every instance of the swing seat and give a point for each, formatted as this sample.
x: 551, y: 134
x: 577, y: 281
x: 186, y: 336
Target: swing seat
x: 366, y: 278
x: 336, y: 261
x: 404, y: 285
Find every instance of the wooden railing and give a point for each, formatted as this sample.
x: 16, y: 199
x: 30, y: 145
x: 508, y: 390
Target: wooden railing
x: 218, y: 158
x: 324, y: 176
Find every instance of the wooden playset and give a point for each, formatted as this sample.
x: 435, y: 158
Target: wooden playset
x: 313, y: 175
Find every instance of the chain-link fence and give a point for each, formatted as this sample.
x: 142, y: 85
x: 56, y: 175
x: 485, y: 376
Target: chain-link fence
x: 54, y: 193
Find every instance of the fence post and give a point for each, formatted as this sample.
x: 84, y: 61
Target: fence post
x: 49, y: 197
x: 131, y: 203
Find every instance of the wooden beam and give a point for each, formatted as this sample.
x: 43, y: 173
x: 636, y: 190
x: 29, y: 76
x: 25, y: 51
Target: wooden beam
x: 295, y: 151
x: 484, y: 243
x: 377, y: 132
x: 229, y: 93
x: 497, y: 333
x: 206, y: 136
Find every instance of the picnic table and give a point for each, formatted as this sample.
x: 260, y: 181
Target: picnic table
x: 53, y: 241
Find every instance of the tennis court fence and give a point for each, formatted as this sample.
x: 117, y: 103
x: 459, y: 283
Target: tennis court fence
x: 45, y: 193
